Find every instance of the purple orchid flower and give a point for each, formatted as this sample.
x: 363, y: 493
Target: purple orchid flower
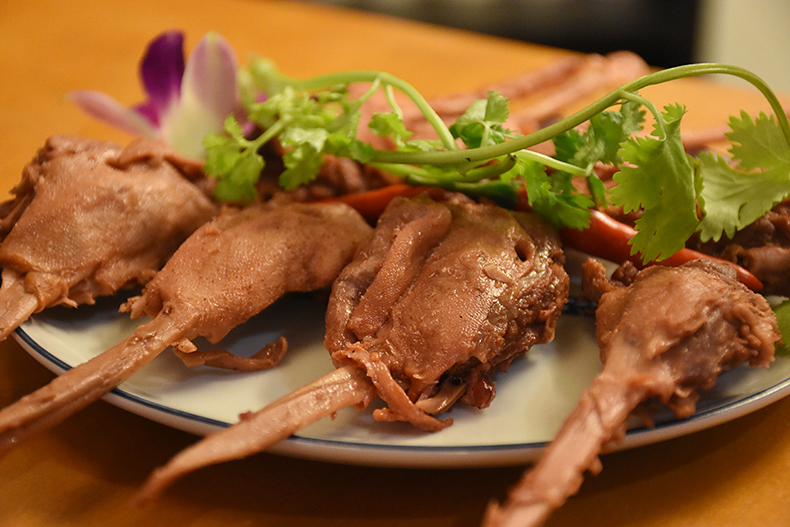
x: 186, y: 101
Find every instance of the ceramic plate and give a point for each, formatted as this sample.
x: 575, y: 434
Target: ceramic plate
x: 531, y: 402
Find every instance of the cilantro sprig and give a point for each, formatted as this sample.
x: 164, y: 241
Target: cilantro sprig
x: 676, y: 195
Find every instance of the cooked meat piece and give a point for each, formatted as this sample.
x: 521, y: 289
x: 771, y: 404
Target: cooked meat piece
x: 444, y: 294
x: 594, y: 282
x: 336, y: 177
x: 665, y: 337
x: 598, y: 73
x: 90, y: 218
x: 762, y: 248
x: 474, y: 284
x: 227, y: 271
x: 528, y: 84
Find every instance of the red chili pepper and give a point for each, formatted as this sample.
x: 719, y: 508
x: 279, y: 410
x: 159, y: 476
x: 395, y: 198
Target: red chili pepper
x: 605, y: 237
x: 370, y: 204
x: 608, y: 238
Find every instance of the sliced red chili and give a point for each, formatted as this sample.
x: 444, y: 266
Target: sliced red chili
x: 609, y: 239
x: 605, y: 238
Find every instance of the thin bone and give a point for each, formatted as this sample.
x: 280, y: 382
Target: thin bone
x: 82, y: 385
x: 16, y: 303
x: 341, y: 388
x: 228, y: 271
x: 594, y: 423
x: 667, y: 336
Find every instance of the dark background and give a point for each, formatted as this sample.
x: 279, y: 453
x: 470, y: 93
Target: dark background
x: 661, y: 31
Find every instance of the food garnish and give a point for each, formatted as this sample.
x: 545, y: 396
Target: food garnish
x: 656, y: 176
x: 186, y: 100
x: 676, y: 194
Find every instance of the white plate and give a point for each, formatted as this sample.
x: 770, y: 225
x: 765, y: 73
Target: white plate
x: 531, y: 402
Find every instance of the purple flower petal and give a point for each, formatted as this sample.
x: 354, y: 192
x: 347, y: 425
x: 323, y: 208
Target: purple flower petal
x: 104, y: 108
x: 161, y: 71
x: 150, y: 111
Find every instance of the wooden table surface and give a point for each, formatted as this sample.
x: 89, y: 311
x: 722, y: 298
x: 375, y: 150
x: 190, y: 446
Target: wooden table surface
x: 84, y: 472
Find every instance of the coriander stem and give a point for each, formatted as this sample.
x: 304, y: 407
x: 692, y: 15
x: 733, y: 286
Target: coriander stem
x: 553, y: 163
x: 583, y: 115
x: 268, y: 134
x: 651, y: 108
x: 696, y: 70
x: 392, y: 102
x: 351, y: 77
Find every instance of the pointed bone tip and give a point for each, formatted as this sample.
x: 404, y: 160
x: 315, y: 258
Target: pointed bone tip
x: 159, y: 480
x: 492, y: 515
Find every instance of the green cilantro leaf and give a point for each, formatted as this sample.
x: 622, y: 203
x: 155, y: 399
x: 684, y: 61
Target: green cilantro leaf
x: 497, y: 110
x: 600, y: 142
x: 736, y: 196
x: 302, y: 165
x: 758, y: 144
x: 658, y: 180
x: 782, y: 312
x: 602, y: 139
x: 481, y: 124
x: 568, y: 145
x: 234, y: 162
x: 239, y: 183
x: 316, y: 117
x: 554, y: 199
x: 389, y: 125
x: 733, y: 198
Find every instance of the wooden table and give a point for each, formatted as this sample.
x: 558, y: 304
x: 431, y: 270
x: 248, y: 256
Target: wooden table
x: 84, y: 472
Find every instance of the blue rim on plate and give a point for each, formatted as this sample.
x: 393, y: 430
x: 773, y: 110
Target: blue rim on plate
x: 354, y: 438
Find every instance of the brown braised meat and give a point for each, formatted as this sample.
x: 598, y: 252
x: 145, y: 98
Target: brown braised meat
x: 443, y: 295
x: 336, y: 177
x: 664, y: 337
x: 90, y: 218
x: 763, y: 248
x: 446, y: 294
x: 227, y: 271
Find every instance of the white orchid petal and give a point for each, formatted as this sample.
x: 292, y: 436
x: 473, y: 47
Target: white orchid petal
x: 186, y: 126
x: 209, y: 93
x: 210, y: 77
x: 104, y: 108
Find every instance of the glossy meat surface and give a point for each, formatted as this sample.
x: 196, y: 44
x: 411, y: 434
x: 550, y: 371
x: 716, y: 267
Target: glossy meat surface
x: 445, y: 294
x: 230, y: 269
x: 665, y: 337
x: 234, y: 267
x: 762, y: 247
x: 90, y: 218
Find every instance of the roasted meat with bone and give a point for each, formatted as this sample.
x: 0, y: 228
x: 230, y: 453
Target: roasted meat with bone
x: 664, y: 337
x: 445, y: 294
x: 90, y: 218
x: 227, y: 271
